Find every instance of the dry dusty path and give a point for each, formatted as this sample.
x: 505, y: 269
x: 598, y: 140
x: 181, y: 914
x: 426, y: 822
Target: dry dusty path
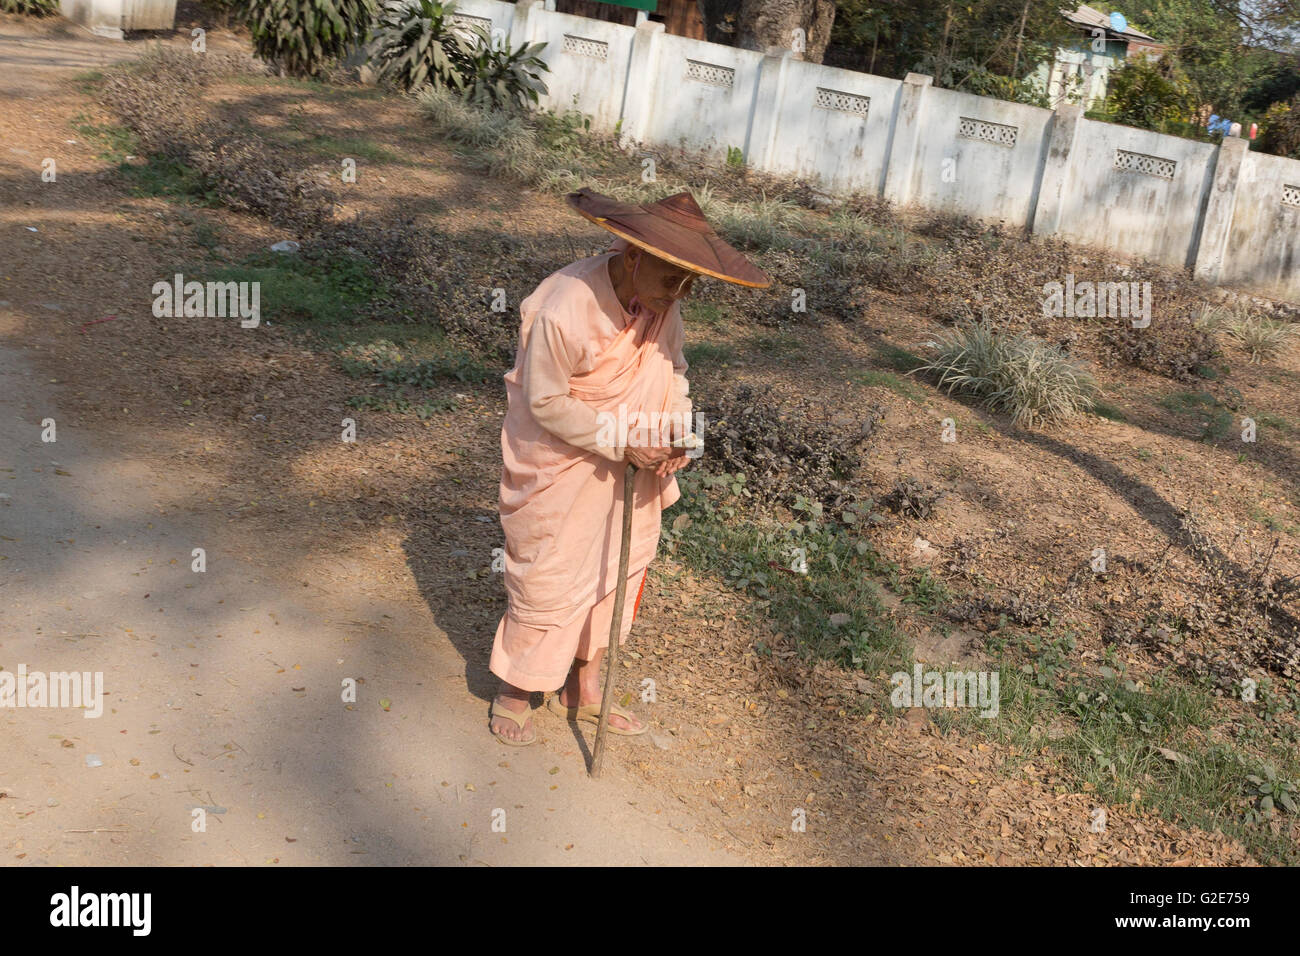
x: 223, y: 688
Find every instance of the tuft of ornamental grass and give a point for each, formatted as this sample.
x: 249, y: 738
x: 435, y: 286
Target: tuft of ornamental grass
x: 763, y: 224
x: 1264, y: 338
x: 1033, y: 381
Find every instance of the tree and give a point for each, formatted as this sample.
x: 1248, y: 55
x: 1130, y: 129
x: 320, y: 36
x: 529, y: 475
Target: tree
x: 1150, y: 94
x: 771, y: 24
x: 1281, y: 129
x: 1212, y: 48
x: 973, y: 45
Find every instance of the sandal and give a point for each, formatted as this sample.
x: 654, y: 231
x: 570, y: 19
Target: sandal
x: 591, y: 714
x: 520, y: 719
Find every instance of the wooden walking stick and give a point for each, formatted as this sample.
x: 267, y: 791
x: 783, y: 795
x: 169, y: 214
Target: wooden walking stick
x: 616, y: 624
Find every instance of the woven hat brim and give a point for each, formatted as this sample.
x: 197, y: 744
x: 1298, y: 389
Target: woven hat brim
x: 753, y: 279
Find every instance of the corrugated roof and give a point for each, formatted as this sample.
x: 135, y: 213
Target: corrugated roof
x: 1088, y: 17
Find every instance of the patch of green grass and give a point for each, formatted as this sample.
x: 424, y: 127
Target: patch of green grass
x: 813, y: 579
x: 1107, y: 410
x: 699, y: 312
x: 89, y: 81
x: 1187, y: 401
x: 1215, y: 419
x: 355, y: 148
x: 155, y: 176
x: 426, y: 372
x: 168, y: 179
x: 206, y: 234
x: 327, y: 146
x: 1159, y: 741
x: 1269, y: 420
x: 709, y: 353
x: 317, y: 292
x: 395, y: 370
x: 889, y: 380
x: 402, y: 405
x: 897, y: 358
x: 925, y: 591
x: 113, y: 143
x: 781, y: 344
x: 1270, y: 521
x: 1129, y: 742
x: 417, y: 339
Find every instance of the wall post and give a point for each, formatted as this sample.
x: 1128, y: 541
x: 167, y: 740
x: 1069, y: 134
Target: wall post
x: 1212, y: 244
x: 523, y: 25
x: 638, y: 96
x: 765, y: 109
x: 906, y: 133
x: 1056, y: 169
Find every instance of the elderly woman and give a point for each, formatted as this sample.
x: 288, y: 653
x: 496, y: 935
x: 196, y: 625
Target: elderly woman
x: 600, y: 343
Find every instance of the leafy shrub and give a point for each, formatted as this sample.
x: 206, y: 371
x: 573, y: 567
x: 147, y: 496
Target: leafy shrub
x: 415, y: 43
x: 912, y: 498
x: 1172, y: 345
x: 1280, y: 128
x: 30, y: 8
x: 303, y: 37
x: 1149, y: 94
x: 1029, y: 379
x: 431, y: 270
x: 1272, y: 794
x: 783, y: 452
x: 501, y: 78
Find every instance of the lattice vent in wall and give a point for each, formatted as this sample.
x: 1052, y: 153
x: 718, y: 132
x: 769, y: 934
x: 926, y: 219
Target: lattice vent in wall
x: 1290, y: 195
x: 468, y: 20
x: 710, y: 73
x: 1142, y: 163
x: 581, y: 46
x: 844, y: 102
x: 986, y: 132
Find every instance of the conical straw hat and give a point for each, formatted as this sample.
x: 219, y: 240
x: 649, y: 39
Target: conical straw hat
x: 675, y: 230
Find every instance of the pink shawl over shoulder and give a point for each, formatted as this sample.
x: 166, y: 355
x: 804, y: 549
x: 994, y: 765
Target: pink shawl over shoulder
x: 562, y: 506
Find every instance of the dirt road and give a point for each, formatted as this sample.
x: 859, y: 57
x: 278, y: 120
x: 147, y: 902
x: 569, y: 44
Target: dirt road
x: 223, y: 688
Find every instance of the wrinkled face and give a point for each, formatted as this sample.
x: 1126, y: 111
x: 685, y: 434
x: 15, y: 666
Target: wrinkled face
x: 658, y: 284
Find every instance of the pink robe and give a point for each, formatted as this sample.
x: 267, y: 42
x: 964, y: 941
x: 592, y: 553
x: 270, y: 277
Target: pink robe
x: 561, y: 494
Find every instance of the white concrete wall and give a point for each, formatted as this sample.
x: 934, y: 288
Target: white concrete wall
x: 101, y: 17
x: 1059, y: 176
x: 823, y: 136
x: 588, y: 61
x: 112, y: 18
x: 956, y: 169
x: 501, y: 14
x: 1130, y: 210
x: 702, y: 107
x: 1263, y: 248
x: 148, y: 14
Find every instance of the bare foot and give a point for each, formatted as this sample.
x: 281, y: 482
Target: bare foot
x: 516, y: 701
x: 583, y: 687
